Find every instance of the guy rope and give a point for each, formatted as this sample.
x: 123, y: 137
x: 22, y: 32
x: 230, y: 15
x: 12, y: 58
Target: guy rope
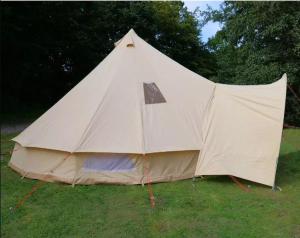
x: 149, y: 185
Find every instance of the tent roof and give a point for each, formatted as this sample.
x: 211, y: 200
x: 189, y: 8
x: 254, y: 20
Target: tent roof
x: 109, y: 110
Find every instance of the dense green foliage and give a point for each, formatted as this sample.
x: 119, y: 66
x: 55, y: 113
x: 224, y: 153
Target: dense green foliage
x: 259, y: 42
x: 48, y: 47
x: 211, y: 207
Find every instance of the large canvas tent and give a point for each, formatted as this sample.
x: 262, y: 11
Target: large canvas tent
x: 141, y: 117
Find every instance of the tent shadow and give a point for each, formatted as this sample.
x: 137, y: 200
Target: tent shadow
x: 226, y: 180
x: 288, y: 168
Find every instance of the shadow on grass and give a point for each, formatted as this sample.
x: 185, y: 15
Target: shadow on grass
x: 288, y: 169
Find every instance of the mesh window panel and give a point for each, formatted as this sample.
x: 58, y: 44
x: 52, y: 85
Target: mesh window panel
x: 109, y: 163
x: 152, y: 94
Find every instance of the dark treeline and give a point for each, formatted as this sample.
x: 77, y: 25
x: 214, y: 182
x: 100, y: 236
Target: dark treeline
x: 48, y: 47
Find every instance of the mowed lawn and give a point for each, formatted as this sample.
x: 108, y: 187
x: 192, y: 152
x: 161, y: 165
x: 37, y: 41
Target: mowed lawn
x: 209, y: 207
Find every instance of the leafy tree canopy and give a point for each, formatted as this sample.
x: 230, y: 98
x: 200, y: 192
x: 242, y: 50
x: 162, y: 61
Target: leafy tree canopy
x: 48, y: 47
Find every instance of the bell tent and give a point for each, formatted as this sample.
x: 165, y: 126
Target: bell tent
x: 141, y: 117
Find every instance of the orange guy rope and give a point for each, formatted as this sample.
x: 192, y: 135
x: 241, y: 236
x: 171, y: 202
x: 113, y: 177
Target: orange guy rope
x: 149, y: 185
x: 38, y: 184
x: 34, y: 188
x: 241, y: 186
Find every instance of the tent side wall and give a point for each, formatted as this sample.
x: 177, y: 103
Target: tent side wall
x: 243, y: 132
x: 93, y: 168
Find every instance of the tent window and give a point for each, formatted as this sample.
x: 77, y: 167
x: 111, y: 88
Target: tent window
x: 152, y: 94
x: 109, y: 163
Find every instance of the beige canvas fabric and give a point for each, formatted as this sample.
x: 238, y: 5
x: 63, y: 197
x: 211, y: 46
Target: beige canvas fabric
x: 243, y: 132
x: 106, y: 111
x: 51, y: 165
x: 145, y: 111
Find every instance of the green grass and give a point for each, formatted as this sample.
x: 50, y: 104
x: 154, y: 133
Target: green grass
x: 210, y: 207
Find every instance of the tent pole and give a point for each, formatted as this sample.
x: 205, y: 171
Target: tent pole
x: 274, y: 184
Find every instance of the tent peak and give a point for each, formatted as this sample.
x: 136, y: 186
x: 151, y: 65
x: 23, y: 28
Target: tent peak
x: 131, y: 31
x: 127, y: 39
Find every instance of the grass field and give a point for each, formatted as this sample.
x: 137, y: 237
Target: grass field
x: 210, y: 207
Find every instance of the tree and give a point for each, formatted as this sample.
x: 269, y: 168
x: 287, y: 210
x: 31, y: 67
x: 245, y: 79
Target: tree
x: 48, y: 47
